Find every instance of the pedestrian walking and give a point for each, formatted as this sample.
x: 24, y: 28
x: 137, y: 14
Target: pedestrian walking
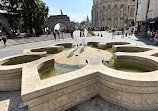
x: 4, y: 39
x: 62, y: 34
x: 80, y: 33
x: 122, y: 32
x: 58, y: 32
x: 132, y: 30
x: 129, y: 32
x: 54, y: 34
x: 71, y: 33
x: 113, y: 33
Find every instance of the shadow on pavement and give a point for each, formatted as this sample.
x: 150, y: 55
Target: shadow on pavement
x: 145, y: 39
x: 10, y: 101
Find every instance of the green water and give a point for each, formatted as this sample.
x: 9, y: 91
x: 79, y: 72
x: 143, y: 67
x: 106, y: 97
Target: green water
x: 52, y: 55
x: 57, y: 69
x: 110, y: 50
x: 21, y: 60
x: 126, y: 67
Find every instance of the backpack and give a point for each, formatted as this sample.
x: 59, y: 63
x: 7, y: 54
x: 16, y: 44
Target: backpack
x: 3, y: 38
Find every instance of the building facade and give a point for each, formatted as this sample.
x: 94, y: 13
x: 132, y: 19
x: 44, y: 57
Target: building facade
x: 146, y: 15
x: 146, y: 9
x: 113, y: 13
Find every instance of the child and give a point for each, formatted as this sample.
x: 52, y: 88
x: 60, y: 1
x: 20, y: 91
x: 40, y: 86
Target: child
x: 113, y: 33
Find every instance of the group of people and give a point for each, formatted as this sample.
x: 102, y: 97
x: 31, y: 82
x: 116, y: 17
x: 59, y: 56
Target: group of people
x: 153, y: 34
x: 57, y: 33
x: 82, y: 33
x: 123, y: 34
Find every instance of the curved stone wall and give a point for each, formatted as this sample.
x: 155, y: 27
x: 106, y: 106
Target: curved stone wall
x: 110, y: 44
x: 130, y: 90
x: 11, y: 71
x: 126, y: 89
x: 49, y: 50
x: 120, y: 48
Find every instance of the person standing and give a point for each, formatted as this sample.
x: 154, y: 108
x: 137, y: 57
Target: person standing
x: 71, y: 33
x: 34, y: 32
x: 122, y: 32
x: 149, y: 33
x: 157, y: 38
x: 113, y: 33
x: 18, y: 32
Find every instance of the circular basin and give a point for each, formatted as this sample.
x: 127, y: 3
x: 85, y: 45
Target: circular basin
x: 132, y: 64
x: 49, y: 50
x: 51, y: 69
x: 129, y: 49
x: 109, y: 46
x: 20, y: 60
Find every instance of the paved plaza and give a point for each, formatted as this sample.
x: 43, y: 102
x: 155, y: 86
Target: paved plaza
x: 9, y: 101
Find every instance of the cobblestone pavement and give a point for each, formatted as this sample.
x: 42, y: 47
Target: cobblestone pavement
x: 98, y: 104
x: 9, y: 101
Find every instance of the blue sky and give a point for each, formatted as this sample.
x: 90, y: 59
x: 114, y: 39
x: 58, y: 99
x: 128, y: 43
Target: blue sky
x: 77, y: 10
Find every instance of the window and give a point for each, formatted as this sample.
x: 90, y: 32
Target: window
x: 131, y: 13
x: 104, y: 13
x: 115, y: 11
x: 122, y: 11
x: 109, y: 11
x: 151, y: 5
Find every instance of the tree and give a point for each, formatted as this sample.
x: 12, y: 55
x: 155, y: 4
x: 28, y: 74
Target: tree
x: 34, y: 14
x: 128, y: 20
x: 83, y: 23
x: 14, y: 15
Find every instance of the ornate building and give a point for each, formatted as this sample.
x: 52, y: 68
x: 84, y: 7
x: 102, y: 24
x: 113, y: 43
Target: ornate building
x: 113, y: 13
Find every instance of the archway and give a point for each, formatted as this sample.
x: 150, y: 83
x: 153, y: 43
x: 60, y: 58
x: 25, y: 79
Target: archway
x: 60, y: 26
x: 62, y: 19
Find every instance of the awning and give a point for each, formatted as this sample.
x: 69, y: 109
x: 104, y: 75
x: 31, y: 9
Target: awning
x: 150, y: 21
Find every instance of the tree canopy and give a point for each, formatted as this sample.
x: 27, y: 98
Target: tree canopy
x: 29, y: 13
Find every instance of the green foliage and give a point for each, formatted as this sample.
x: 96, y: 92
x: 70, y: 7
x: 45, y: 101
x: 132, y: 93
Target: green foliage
x: 117, y: 29
x: 110, y: 31
x: 13, y: 14
x: 83, y: 23
x: 128, y: 20
x: 33, y: 13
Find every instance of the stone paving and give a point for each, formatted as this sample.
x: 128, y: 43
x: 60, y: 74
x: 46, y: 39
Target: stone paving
x: 98, y: 104
x: 11, y: 42
x: 9, y: 101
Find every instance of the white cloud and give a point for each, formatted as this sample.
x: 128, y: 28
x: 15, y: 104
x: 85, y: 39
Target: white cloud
x: 53, y: 11
x: 78, y: 17
x: 73, y: 17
